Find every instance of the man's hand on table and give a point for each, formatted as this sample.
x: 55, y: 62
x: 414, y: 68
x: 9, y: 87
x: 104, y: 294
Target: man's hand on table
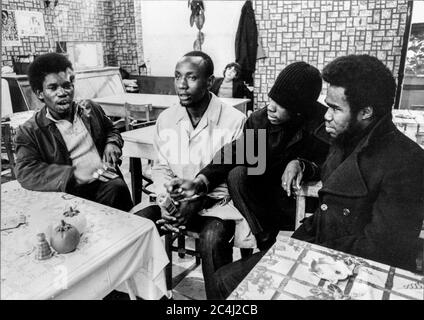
x: 292, y: 177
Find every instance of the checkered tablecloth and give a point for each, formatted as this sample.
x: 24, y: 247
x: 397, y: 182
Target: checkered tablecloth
x: 284, y: 274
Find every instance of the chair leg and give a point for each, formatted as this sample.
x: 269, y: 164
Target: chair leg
x: 136, y: 180
x: 181, y: 246
x: 168, y: 268
x: 197, y: 248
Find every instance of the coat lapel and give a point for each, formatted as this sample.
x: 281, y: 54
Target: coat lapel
x: 346, y: 179
x: 86, y: 120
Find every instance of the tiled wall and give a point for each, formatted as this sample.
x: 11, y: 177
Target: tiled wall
x: 138, y: 32
x: 319, y: 31
x: 123, y: 38
x: 108, y: 21
x: 314, y: 31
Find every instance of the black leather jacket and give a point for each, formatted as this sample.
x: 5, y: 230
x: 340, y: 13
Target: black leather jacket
x: 42, y: 159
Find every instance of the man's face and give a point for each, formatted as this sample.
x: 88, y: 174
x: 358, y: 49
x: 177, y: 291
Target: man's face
x: 58, y: 92
x: 338, y: 118
x: 276, y: 113
x: 191, y: 83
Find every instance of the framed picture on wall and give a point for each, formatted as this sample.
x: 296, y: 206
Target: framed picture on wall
x: 85, y: 54
x: 30, y: 23
x: 9, y: 34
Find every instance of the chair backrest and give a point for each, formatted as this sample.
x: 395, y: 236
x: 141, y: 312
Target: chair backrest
x: 137, y: 115
x: 7, y: 146
x: 309, y: 189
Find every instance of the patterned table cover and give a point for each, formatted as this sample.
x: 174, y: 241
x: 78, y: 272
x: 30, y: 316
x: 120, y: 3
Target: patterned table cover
x: 283, y: 274
x: 115, y: 247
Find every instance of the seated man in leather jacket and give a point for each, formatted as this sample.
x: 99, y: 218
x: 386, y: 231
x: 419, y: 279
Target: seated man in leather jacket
x: 68, y: 146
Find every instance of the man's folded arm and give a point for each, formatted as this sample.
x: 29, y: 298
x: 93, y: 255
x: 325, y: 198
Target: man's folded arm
x: 227, y: 158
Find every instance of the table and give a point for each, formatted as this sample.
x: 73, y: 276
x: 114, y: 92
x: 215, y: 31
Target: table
x: 117, y: 251
x: 411, y: 123
x: 283, y: 274
x: 138, y: 144
x: 114, y: 105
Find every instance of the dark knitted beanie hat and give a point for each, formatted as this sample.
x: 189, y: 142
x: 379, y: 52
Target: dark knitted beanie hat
x: 297, y: 87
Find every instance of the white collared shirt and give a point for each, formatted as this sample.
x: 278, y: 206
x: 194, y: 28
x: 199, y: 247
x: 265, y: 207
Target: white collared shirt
x: 80, y: 144
x: 183, y: 150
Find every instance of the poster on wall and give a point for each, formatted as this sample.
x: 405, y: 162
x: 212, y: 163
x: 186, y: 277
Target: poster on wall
x: 85, y: 54
x: 30, y: 24
x: 9, y: 34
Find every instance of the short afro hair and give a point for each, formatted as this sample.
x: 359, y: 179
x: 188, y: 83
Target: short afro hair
x: 366, y: 80
x: 237, y: 68
x: 44, y: 65
x: 209, y: 68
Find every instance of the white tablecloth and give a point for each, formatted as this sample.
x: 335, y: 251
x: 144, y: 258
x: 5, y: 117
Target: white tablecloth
x: 115, y: 247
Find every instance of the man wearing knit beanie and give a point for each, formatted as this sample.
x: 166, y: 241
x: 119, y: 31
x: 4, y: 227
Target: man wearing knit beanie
x: 297, y: 88
x: 285, y: 130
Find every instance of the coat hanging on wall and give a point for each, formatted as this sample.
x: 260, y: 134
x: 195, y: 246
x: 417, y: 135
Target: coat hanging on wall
x: 246, y: 43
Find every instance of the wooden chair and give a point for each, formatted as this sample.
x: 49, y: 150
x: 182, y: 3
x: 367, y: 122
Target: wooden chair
x: 182, y: 251
x: 7, y: 147
x: 137, y: 116
x: 309, y: 189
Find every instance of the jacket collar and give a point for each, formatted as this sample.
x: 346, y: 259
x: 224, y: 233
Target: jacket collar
x: 44, y: 121
x: 383, y: 126
x: 306, y: 127
x: 347, y: 178
x: 47, y: 124
x: 321, y: 134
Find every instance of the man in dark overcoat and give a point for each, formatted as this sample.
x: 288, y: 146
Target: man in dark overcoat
x: 372, y: 201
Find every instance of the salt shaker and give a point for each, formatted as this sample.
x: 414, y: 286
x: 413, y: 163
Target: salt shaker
x: 43, y: 250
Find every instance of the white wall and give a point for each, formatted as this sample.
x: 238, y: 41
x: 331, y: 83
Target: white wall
x: 167, y: 34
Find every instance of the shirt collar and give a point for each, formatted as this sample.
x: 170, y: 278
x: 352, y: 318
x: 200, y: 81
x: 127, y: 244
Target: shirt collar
x: 50, y: 116
x: 212, y: 113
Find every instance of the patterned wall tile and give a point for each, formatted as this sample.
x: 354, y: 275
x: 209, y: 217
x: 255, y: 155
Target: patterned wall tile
x: 108, y: 21
x: 319, y: 31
